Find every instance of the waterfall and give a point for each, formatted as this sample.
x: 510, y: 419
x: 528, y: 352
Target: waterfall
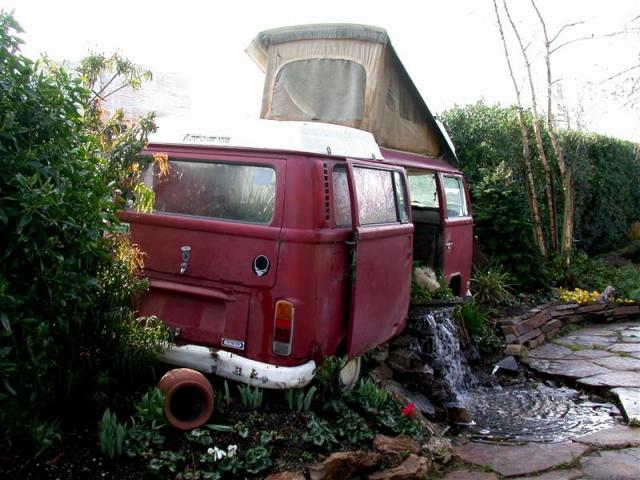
x: 448, y: 359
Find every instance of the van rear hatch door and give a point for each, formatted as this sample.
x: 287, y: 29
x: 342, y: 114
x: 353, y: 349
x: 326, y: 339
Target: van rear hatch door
x: 211, y: 240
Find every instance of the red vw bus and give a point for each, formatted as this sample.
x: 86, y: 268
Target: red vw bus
x: 282, y: 241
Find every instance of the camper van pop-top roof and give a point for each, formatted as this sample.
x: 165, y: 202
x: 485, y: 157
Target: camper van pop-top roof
x: 347, y: 75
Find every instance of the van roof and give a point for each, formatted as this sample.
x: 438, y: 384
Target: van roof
x: 309, y: 137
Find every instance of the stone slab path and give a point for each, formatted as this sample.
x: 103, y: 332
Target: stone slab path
x: 605, y: 357
x: 602, y: 356
x: 613, y: 453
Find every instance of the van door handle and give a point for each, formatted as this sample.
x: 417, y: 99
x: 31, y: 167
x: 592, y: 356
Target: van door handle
x: 449, y: 245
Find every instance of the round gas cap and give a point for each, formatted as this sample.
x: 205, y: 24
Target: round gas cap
x: 261, y: 265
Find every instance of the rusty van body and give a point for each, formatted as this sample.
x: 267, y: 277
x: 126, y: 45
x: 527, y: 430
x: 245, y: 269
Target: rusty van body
x: 292, y: 238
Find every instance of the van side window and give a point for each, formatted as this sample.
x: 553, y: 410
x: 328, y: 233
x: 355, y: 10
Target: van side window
x: 401, y: 195
x: 341, y: 199
x: 423, y: 189
x: 454, y: 193
x: 243, y: 193
x: 375, y: 193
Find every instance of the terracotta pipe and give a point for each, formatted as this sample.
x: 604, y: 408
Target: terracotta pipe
x: 188, y: 398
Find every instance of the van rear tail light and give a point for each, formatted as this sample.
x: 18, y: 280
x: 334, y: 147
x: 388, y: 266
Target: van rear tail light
x: 283, y: 327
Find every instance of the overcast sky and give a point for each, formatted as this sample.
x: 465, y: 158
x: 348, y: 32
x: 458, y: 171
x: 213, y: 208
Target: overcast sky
x: 451, y: 48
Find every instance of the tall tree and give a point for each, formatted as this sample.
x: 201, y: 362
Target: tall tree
x: 526, y: 148
x: 551, y: 203
x: 566, y: 244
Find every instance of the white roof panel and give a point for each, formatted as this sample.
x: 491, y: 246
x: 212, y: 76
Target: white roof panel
x: 308, y: 137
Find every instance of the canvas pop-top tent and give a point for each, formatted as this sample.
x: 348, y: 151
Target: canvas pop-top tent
x: 347, y: 75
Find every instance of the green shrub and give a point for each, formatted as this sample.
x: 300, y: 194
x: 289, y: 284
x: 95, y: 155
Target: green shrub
x: 67, y: 273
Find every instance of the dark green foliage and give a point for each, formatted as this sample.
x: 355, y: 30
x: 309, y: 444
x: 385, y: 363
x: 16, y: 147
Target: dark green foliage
x: 594, y: 274
x: 66, y: 273
x: 250, y: 397
x: 490, y: 285
x: 479, y: 329
x: 605, y: 172
x: 111, y: 434
x: 299, y: 400
x: 348, y: 425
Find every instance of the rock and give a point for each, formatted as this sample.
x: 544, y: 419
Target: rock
x: 426, y: 278
x: 629, y: 399
x: 516, y: 350
x: 286, y: 476
x: 381, y: 373
x: 380, y: 353
x: 572, y: 474
x: 513, y: 460
x: 507, y: 364
x: 396, y: 445
x: 343, y: 465
x: 468, y: 475
x: 458, y: 414
x: 615, y: 379
x: 615, y: 464
x: 568, y: 368
x: 413, y: 467
x: 619, y: 363
x: 619, y: 436
x: 440, y: 449
x: 418, y: 378
x: 550, y: 351
x: 405, y: 396
x: 404, y: 359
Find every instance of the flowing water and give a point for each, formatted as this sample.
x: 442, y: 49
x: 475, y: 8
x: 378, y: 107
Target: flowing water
x: 524, y: 412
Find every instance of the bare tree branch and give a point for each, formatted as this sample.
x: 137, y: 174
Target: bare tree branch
x: 568, y: 25
x: 570, y: 42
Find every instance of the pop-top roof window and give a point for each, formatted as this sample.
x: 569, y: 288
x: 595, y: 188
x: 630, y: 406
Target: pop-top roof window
x: 322, y: 89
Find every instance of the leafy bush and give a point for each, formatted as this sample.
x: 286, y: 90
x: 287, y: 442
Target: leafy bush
x: 67, y: 273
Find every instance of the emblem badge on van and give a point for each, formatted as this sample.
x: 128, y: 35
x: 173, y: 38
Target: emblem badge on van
x: 237, y: 344
x: 186, y: 253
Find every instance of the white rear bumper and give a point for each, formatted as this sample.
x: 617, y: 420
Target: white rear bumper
x: 234, y: 367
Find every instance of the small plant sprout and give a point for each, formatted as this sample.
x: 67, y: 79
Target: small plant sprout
x: 250, y: 397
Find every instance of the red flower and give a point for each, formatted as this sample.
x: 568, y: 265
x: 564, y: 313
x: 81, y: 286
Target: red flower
x: 409, y: 410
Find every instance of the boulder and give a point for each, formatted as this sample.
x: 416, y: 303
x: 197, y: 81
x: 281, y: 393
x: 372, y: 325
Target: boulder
x: 426, y: 278
x: 405, y: 396
x: 343, y: 465
x: 439, y: 449
x: 396, y: 445
x: 286, y: 476
x: 413, y: 467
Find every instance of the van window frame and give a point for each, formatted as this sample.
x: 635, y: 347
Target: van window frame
x: 463, y: 196
x: 353, y: 194
x: 200, y: 155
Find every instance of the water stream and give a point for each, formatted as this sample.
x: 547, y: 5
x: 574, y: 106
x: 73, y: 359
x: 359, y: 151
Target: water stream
x: 525, y: 411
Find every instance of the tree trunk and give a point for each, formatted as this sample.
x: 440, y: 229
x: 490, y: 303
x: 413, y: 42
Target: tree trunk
x: 526, y: 150
x: 551, y: 202
x: 566, y: 244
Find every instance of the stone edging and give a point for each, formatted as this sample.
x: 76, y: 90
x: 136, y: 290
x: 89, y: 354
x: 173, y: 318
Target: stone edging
x: 542, y: 323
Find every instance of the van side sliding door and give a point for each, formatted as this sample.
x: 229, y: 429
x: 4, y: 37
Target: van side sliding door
x: 382, y: 254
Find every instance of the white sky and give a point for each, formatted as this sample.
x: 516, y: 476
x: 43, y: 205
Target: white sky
x: 451, y: 48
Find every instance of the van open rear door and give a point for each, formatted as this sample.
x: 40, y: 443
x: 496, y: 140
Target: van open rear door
x: 382, y: 254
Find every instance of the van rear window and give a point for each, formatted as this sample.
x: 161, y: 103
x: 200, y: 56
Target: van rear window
x: 243, y: 193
